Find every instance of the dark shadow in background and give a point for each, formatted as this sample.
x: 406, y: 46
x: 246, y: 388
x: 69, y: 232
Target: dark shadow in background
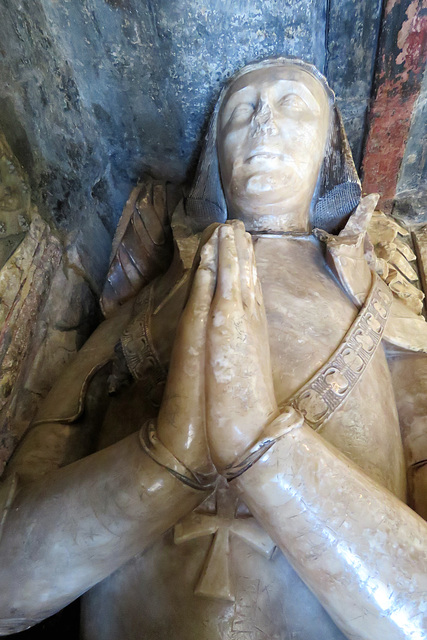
x: 64, y: 625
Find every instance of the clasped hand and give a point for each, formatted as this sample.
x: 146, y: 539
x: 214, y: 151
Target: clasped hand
x: 219, y: 395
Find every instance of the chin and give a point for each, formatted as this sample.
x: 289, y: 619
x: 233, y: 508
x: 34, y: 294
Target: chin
x: 268, y: 178
x: 265, y: 189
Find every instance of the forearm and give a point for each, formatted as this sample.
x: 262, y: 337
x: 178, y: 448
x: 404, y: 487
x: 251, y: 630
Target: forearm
x: 359, y: 549
x: 77, y: 525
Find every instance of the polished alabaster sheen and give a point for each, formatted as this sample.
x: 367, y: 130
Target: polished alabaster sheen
x: 272, y: 135
x: 362, y: 551
x: 65, y: 534
x: 251, y: 322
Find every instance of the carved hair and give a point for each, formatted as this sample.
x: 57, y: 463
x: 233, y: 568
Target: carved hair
x: 338, y: 189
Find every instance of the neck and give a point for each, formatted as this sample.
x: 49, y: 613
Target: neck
x: 282, y: 234
x: 268, y: 221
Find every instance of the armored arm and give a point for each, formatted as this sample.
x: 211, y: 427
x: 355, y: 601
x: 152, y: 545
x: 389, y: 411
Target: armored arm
x: 75, y: 525
x: 361, y: 551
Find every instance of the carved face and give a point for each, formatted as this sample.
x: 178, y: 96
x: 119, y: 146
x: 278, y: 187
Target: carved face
x: 272, y: 130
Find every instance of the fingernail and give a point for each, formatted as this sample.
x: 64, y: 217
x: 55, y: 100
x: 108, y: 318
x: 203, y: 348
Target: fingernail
x: 226, y: 231
x: 206, y: 254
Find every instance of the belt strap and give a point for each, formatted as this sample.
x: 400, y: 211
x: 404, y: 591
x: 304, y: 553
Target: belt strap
x: 321, y: 396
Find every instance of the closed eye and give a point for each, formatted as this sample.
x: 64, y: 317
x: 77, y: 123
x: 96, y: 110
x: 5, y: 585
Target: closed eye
x: 293, y: 102
x: 242, y: 111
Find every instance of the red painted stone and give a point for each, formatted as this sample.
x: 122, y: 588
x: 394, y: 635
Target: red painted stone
x: 401, y: 62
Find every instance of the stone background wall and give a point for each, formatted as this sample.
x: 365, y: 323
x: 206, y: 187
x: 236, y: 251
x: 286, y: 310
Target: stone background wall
x: 94, y: 91
x: 411, y: 188
x: 395, y: 154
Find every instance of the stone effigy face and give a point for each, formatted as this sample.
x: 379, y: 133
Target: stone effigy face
x: 248, y: 478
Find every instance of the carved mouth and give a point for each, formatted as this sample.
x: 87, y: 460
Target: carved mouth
x: 262, y: 155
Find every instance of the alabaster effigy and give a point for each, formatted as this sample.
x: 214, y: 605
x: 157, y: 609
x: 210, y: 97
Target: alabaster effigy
x: 231, y: 452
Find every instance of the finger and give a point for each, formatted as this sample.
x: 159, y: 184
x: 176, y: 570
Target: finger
x: 181, y: 421
x: 228, y: 289
x: 256, y: 301
x: 257, y: 284
x: 260, y: 315
x: 251, y: 285
x: 191, y: 333
x: 246, y: 259
x: 203, y: 286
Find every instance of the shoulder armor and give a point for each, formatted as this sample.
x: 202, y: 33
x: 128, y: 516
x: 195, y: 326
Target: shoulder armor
x: 354, y: 254
x: 142, y: 246
x: 389, y: 252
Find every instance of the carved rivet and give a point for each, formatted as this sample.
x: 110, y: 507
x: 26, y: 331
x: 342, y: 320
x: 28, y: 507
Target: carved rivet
x: 312, y: 405
x: 373, y: 323
x: 336, y: 380
x: 365, y: 341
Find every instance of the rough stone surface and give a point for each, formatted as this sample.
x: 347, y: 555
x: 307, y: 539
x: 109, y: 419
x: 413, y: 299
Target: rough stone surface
x: 15, y: 202
x: 43, y: 326
x: 47, y: 308
x: 94, y: 92
x: 420, y: 242
x: 401, y: 63
x: 353, y: 28
x: 411, y: 190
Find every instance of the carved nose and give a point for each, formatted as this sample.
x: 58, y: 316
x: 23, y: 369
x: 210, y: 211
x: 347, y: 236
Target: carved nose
x: 263, y: 122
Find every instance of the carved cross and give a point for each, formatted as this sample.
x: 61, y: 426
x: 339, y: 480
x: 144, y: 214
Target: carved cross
x: 214, y: 581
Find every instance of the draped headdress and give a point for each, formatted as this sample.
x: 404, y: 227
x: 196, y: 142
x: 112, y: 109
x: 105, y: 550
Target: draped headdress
x: 338, y: 189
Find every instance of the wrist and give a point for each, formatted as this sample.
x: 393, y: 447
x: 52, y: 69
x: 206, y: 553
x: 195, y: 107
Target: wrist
x: 157, y: 451
x: 187, y: 443
x: 288, y: 420
x: 233, y: 432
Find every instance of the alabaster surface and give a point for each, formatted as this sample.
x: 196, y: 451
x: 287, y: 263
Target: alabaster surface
x: 230, y: 453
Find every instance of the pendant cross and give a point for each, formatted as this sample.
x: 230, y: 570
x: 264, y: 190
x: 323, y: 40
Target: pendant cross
x: 214, y: 581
